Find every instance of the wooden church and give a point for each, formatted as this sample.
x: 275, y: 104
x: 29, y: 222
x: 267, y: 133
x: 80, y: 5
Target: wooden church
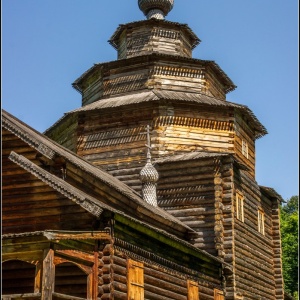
x: 148, y: 190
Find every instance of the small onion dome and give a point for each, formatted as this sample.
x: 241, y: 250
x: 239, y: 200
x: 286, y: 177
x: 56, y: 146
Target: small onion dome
x: 149, y: 174
x: 156, y: 9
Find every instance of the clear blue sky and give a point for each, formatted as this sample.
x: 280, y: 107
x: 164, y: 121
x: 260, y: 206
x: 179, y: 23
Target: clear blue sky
x: 47, y: 44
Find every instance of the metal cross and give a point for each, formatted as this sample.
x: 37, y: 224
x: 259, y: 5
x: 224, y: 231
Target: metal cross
x: 148, y: 145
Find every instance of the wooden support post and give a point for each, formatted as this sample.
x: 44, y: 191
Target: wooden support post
x: 37, y: 279
x: 48, y: 275
x: 95, y: 274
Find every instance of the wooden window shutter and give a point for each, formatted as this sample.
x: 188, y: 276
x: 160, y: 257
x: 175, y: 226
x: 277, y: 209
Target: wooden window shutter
x: 135, y: 279
x: 193, y: 290
x: 219, y: 295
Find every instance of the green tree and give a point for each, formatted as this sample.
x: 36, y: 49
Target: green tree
x: 289, y: 240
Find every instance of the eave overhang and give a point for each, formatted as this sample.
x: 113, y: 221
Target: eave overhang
x: 155, y: 95
x: 270, y: 192
x: 155, y: 58
x: 116, y: 35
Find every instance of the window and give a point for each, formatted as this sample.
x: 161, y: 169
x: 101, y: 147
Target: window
x: 218, y: 295
x: 193, y: 290
x: 135, y: 279
x: 18, y: 277
x: 261, y: 222
x: 245, y: 148
x: 240, y: 207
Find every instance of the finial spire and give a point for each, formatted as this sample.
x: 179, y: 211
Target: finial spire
x: 148, y: 145
x: 149, y: 176
x: 156, y: 9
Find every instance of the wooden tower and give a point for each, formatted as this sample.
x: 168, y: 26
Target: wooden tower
x: 202, y: 146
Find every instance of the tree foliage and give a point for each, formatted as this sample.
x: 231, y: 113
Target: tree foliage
x: 289, y: 240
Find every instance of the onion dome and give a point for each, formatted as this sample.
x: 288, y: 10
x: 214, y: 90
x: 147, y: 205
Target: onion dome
x: 156, y: 9
x: 149, y: 177
x: 149, y: 174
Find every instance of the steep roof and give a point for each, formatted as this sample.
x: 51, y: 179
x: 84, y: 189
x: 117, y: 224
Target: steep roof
x: 52, y: 150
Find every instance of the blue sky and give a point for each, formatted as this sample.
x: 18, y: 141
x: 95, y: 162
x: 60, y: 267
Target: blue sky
x: 47, y: 44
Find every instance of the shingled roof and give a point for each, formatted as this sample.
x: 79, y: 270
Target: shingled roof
x: 157, y: 95
x: 52, y: 150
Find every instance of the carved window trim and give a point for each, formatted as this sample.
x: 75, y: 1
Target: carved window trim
x: 240, y: 206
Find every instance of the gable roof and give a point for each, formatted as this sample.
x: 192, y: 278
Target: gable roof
x: 52, y: 150
x: 161, y: 220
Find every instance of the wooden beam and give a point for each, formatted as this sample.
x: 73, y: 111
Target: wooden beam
x: 48, y: 275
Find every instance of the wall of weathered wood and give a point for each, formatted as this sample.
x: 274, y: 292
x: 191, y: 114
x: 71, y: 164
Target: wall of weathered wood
x: 28, y: 204
x: 255, y: 257
x: 161, y: 281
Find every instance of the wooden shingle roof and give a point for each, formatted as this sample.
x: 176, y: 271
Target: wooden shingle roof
x: 52, y: 150
x: 157, y: 95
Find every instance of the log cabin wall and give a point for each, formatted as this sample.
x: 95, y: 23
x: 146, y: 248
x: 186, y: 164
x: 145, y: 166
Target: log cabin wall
x: 160, y: 281
x: 277, y: 250
x: 116, y: 141
x: 245, y: 138
x: 26, y: 200
x: 253, y: 250
x: 146, y: 37
x: 65, y: 133
x: 166, y: 270
x: 197, y: 198
x: 183, y: 128
x: 163, y: 73
x: 92, y: 89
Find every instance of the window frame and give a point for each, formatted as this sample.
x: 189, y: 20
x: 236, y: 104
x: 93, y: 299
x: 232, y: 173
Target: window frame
x: 239, y: 205
x: 261, y: 221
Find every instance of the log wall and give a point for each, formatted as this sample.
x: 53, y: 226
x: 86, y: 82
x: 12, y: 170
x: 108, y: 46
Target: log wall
x: 116, y: 141
x: 253, y: 251
x: 161, y: 282
x: 243, y: 132
x: 65, y: 133
x: 192, y: 200
x: 142, y: 40
x: 28, y: 204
